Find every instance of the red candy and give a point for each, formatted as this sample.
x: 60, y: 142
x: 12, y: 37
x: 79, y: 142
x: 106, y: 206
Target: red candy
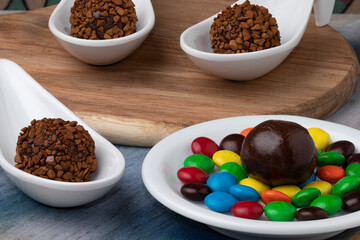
x: 273, y: 195
x: 192, y: 174
x: 247, y: 209
x: 330, y: 173
x: 204, y: 145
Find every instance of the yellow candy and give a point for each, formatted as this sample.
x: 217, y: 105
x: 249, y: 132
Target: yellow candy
x: 320, y: 137
x: 225, y: 156
x: 255, y: 184
x: 323, y: 186
x: 289, y: 190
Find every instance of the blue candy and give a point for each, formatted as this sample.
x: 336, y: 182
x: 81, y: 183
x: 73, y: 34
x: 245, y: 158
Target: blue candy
x: 311, y: 179
x: 221, y: 181
x: 220, y: 201
x: 244, y: 193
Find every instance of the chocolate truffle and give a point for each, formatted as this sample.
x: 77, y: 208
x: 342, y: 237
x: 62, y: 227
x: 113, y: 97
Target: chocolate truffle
x: 244, y: 28
x: 102, y: 19
x: 56, y: 149
x: 279, y: 152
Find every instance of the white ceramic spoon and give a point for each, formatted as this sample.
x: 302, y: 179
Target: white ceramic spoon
x: 101, y: 52
x: 292, y: 17
x: 23, y: 99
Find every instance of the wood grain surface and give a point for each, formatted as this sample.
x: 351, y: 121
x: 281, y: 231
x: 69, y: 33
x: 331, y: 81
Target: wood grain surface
x: 158, y: 90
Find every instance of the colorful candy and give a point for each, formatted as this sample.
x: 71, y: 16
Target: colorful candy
x: 311, y: 213
x: 320, y: 137
x: 273, y: 195
x: 246, y: 131
x: 351, y: 201
x: 247, y: 209
x: 305, y: 197
x: 330, y: 203
x: 195, y: 191
x: 343, y: 147
x: 220, y: 201
x: 244, y: 193
x: 330, y: 158
x: 311, y: 179
x: 192, y: 174
x: 346, y: 185
x: 330, y: 173
x: 204, y: 145
x: 221, y: 181
x: 255, y: 184
x: 324, y: 187
x: 235, y: 169
x: 289, y: 190
x: 280, y: 211
x: 353, y: 170
x: 225, y: 156
x: 200, y: 161
x: 353, y: 158
x: 232, y: 143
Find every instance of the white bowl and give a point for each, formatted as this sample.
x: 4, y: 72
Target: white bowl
x: 101, y: 52
x: 292, y: 17
x: 166, y: 158
x: 23, y: 99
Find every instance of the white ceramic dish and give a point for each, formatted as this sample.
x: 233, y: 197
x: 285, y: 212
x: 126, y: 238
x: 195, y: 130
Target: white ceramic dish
x: 101, y: 52
x: 165, y: 158
x: 292, y: 17
x: 23, y: 99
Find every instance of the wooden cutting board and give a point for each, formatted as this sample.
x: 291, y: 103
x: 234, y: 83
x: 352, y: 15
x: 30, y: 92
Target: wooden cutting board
x: 158, y: 90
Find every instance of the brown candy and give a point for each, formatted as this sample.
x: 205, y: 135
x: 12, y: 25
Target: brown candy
x: 102, y: 19
x: 56, y: 149
x: 244, y: 28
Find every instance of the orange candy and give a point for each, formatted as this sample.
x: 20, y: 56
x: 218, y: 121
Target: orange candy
x: 245, y: 131
x: 273, y: 195
x: 330, y: 173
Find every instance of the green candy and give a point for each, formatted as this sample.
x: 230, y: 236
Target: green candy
x: 305, y: 197
x: 353, y: 170
x: 330, y: 203
x: 319, y: 151
x: 200, y: 161
x: 330, y: 158
x: 280, y: 211
x: 345, y: 185
x: 235, y: 169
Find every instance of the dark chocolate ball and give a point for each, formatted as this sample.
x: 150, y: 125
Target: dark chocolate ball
x: 278, y: 152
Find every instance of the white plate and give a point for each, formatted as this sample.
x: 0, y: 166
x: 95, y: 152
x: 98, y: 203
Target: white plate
x: 165, y: 158
x: 22, y: 99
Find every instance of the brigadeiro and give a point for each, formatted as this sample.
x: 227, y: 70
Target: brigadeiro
x: 56, y: 149
x: 103, y: 19
x: 244, y: 28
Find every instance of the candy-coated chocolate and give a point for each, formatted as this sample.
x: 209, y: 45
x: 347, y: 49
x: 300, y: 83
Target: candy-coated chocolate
x: 204, y: 145
x: 311, y: 179
x: 220, y: 201
x: 273, y: 195
x: 246, y: 131
x: 289, y: 190
x: 247, y: 209
x: 232, y: 142
x: 224, y: 156
x: 192, y: 174
x: 323, y: 186
x: 311, y: 213
x: 351, y: 201
x: 343, y: 147
x: 346, y: 185
x: 278, y: 152
x: 353, y: 170
x: 330, y: 203
x: 235, y: 169
x: 221, y: 181
x: 330, y: 158
x: 255, y: 184
x: 195, y: 191
x: 330, y: 173
x: 320, y: 137
x: 200, y: 161
x: 280, y: 211
x: 353, y: 158
x: 305, y: 197
x: 244, y: 193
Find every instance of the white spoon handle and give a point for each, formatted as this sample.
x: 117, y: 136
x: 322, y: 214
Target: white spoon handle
x: 323, y: 10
